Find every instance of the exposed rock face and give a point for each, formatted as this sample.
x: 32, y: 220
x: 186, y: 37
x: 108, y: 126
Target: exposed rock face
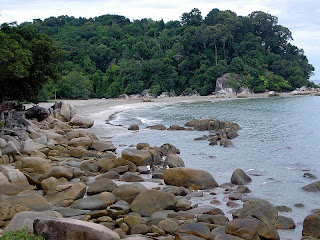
x: 188, y: 177
x: 224, y: 85
x: 70, y: 229
x: 63, y: 111
x: 138, y: 157
x: 159, y: 127
x: 151, y: 201
x: 239, y: 177
x: 81, y: 121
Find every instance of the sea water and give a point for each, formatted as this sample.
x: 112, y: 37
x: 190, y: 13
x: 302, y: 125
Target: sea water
x: 279, y: 142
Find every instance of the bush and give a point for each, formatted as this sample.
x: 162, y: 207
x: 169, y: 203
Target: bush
x: 19, y: 235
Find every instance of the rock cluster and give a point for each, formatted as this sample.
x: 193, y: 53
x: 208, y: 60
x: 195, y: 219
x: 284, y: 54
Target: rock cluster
x: 72, y: 185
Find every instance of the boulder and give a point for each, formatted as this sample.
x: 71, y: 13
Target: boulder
x: 37, y: 112
x: 47, y: 183
x: 38, y: 164
x: 284, y: 223
x: 63, y: 111
x: 173, y: 160
x: 11, y: 189
x: 167, y: 148
x: 103, y: 146
x: 257, y: 208
x: 188, y: 177
x: 312, y: 187
x: 77, y: 152
x: 183, y: 204
x: 66, y: 191
x: 81, y: 121
x: 131, y: 177
x: 127, y: 193
x: 15, y: 176
x: 10, y: 149
x: 95, y: 202
x: 311, y: 226
x: 196, y: 229
x: 169, y: 225
x: 134, y: 127
x: 30, y: 146
x: 217, y: 219
x: 101, y: 185
x: 138, y: 157
x: 59, y: 172
x: 151, y: 201
x: 3, y: 179
x: 224, y: 86
x: 70, y: 229
x: 24, y: 220
x: 109, y: 175
x: 89, y: 166
x: 239, y: 177
x: 159, y: 127
x: 142, y: 145
x: 251, y: 229
x: 3, y: 143
x: 31, y: 200
x: 225, y: 142
x: 80, y: 141
x: 176, y: 128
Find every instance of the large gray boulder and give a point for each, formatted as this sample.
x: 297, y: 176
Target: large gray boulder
x: 312, y: 187
x: 101, y: 185
x: 103, y: 146
x: 15, y: 176
x: 24, y: 220
x: 188, y: 177
x: 59, y: 172
x: 81, y: 121
x: 95, y: 202
x: 63, y: 111
x: 66, y: 191
x: 138, y: 157
x: 30, y: 146
x: 10, y: 149
x: 173, y: 160
x: 71, y: 229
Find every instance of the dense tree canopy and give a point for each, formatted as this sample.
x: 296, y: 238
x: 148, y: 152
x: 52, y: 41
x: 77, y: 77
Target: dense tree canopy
x: 28, y: 60
x: 110, y: 55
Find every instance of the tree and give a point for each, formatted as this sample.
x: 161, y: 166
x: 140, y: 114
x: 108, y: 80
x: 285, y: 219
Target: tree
x: 28, y: 60
x: 193, y: 18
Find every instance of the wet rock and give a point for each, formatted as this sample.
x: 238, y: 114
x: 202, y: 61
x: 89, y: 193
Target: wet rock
x: 66, y: 191
x: 142, y: 145
x: 242, y: 189
x: 101, y: 185
x: 183, y: 204
x: 131, y: 177
x: 159, y: 127
x: 134, y: 127
x: 95, y: 202
x: 225, y: 142
x: 188, y: 177
x: 239, y: 177
x: 311, y: 226
x: 312, y: 187
x: 176, y: 128
x: 151, y: 201
x: 89, y: 166
x: 81, y: 121
x: 283, y: 209
x: 284, y: 223
x: 309, y: 175
x: 173, y: 160
x: 71, y: 229
x: 138, y: 157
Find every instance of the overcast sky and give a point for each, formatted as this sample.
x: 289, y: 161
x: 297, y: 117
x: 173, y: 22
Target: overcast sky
x: 301, y: 17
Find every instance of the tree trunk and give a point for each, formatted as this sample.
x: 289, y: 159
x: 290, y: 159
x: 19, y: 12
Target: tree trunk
x: 216, y: 54
x: 224, y: 50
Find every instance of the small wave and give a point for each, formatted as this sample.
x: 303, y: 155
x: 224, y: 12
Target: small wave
x: 148, y: 121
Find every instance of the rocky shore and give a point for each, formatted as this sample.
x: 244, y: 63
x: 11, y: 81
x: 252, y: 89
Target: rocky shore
x: 62, y: 182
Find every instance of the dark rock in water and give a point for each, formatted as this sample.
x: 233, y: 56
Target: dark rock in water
x: 311, y: 226
x: 37, y: 112
x: 157, y: 127
x: 239, y: 177
x: 299, y: 205
x: 284, y: 223
x: 176, y: 128
x: 70, y: 229
x: 134, y: 127
x: 309, y: 175
x: 204, y: 137
x: 283, y: 209
x: 242, y: 189
x: 188, y: 177
x: 225, y: 142
x: 254, y: 172
x: 167, y: 148
x: 312, y: 187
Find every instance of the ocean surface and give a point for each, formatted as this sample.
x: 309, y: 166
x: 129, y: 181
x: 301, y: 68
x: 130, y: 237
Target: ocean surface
x: 279, y: 141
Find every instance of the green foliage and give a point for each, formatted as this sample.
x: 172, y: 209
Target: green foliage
x: 111, y: 55
x: 28, y: 60
x: 19, y: 235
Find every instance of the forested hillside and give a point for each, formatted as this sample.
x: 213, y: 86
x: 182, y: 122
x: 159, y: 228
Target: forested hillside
x: 109, y: 55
